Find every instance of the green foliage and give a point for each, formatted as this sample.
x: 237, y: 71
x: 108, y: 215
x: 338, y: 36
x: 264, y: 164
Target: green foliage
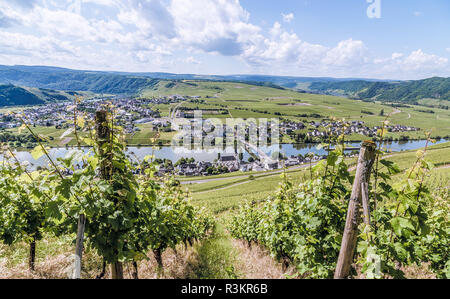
x: 23, y: 203
x: 410, y: 225
x: 126, y: 215
x: 302, y: 224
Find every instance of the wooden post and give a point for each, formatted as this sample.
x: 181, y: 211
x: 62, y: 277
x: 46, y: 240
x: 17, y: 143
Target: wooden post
x: 103, y: 137
x: 364, y: 167
x: 365, y: 202
x: 135, y: 272
x: 81, y: 217
x: 32, y: 257
x: 117, y: 270
x: 79, y: 246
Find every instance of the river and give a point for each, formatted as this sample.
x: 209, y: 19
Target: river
x: 209, y: 155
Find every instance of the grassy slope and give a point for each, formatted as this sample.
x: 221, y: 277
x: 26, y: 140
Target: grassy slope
x: 226, y: 200
x: 233, y: 96
x: 216, y: 257
x: 18, y: 95
x: 236, y: 96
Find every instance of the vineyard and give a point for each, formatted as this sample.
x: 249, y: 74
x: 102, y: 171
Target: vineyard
x: 405, y: 220
x: 117, y: 217
x: 95, y: 195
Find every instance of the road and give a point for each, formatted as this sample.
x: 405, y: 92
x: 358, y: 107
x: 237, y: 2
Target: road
x: 263, y: 173
x: 262, y: 155
x: 174, y: 110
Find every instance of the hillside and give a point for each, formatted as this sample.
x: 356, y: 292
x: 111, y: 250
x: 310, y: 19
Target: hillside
x: 239, y: 100
x: 11, y: 95
x: 408, y: 92
x: 70, y: 80
x: 130, y: 83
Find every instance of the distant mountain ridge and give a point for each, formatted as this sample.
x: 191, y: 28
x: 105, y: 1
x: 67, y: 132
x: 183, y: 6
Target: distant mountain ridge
x: 11, y: 95
x: 117, y: 82
x: 123, y: 83
x: 409, y: 92
x: 72, y: 80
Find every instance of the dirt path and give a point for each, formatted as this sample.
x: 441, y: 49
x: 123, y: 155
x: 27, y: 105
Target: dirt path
x: 174, y: 110
x: 246, y: 175
x: 397, y: 111
x: 255, y: 262
x: 443, y: 167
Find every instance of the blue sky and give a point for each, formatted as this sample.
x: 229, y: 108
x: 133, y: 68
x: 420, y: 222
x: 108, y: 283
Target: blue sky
x: 410, y: 40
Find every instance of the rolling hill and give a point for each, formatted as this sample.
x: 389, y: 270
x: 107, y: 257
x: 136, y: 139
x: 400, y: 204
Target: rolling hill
x: 129, y: 83
x: 72, y: 80
x: 11, y: 95
x: 122, y: 83
x: 408, y: 92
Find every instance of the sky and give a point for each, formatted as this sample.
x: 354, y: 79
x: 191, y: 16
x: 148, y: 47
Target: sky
x: 381, y: 39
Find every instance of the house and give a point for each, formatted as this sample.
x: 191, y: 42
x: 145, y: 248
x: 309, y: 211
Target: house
x: 271, y: 165
x: 244, y: 167
x: 229, y: 161
x: 291, y: 161
x: 189, y: 169
x: 144, y: 120
x: 228, y: 158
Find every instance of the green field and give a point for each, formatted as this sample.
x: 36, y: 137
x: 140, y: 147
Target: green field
x: 227, y: 194
x: 250, y: 101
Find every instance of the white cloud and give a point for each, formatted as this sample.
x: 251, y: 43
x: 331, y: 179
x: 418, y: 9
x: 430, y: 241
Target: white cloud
x: 347, y: 53
x: 28, y: 45
x: 192, y: 60
x: 145, y: 35
x: 23, y: 3
x: 287, y: 17
x: 151, y: 17
x: 418, y: 60
x: 224, y: 29
x: 397, y: 55
x: 101, y: 2
x: 412, y: 65
x: 281, y: 48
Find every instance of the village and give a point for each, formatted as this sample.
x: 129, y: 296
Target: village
x: 352, y: 127
x: 231, y: 163
x: 130, y: 112
x: 133, y: 112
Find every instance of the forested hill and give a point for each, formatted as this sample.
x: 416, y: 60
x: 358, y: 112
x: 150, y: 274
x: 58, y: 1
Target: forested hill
x: 11, y: 95
x: 70, y: 80
x: 409, y: 92
x: 118, y: 83
x: 128, y: 83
